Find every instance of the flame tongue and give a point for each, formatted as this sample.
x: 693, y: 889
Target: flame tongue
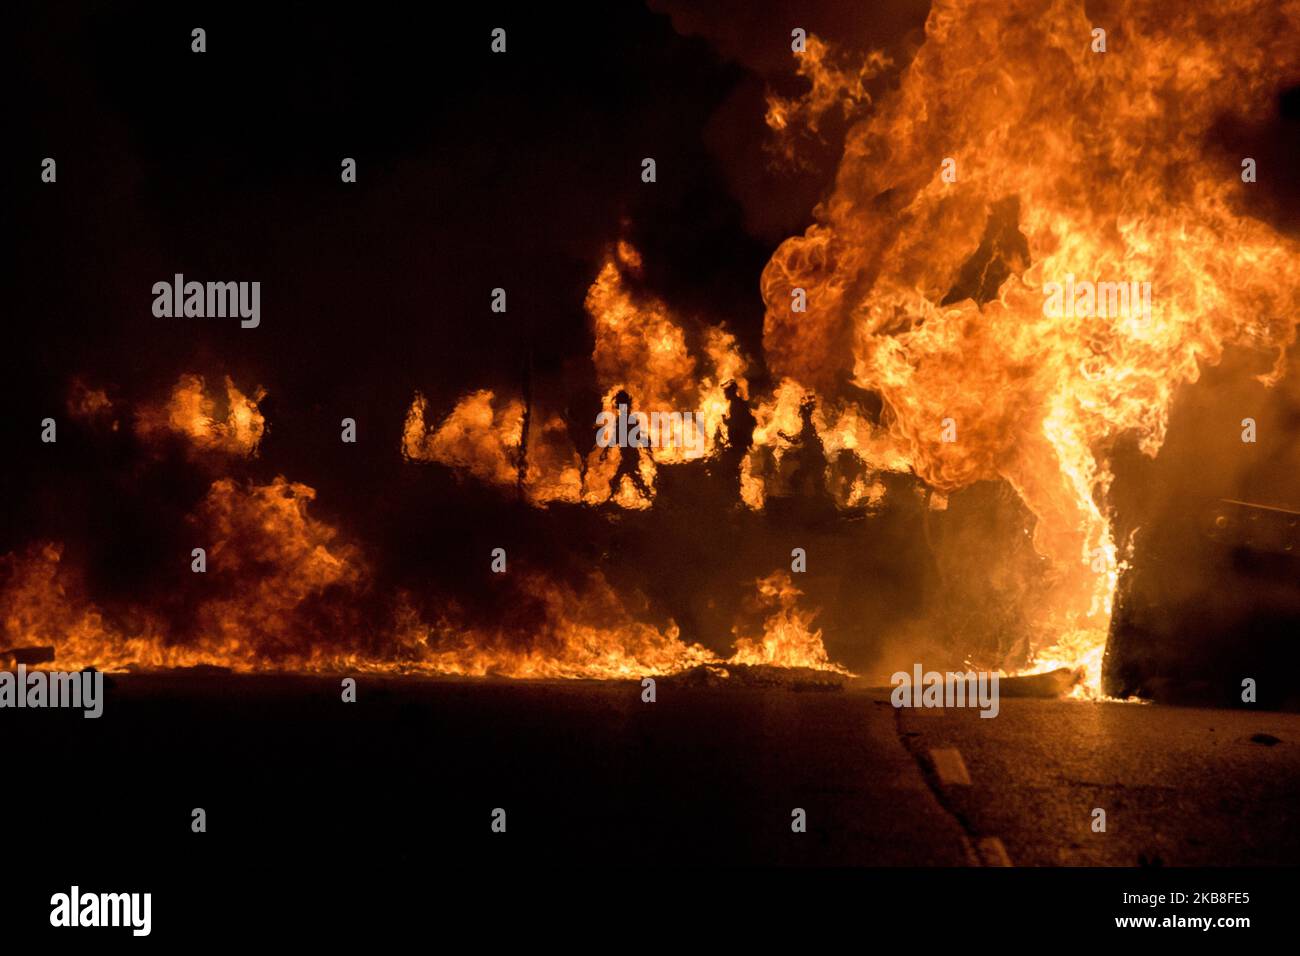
x: 192, y: 412
x: 788, y: 639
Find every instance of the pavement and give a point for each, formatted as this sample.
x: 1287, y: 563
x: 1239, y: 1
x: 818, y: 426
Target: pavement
x: 1179, y: 786
x: 589, y: 773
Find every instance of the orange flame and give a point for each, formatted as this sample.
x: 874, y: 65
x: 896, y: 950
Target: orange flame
x: 639, y: 347
x: 1011, y: 157
x: 788, y: 639
x: 266, y: 562
x: 1104, y: 156
x: 195, y: 414
x: 573, y: 632
x: 832, y: 86
x: 476, y: 436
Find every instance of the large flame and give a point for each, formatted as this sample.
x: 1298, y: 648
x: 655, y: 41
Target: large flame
x: 641, y: 347
x: 271, y: 575
x: 788, y: 639
x: 1068, y: 163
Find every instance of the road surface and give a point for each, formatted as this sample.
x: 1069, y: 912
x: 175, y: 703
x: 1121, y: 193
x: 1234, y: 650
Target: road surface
x: 588, y: 773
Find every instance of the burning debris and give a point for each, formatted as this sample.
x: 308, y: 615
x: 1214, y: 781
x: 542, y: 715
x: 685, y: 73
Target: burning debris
x: 733, y: 676
x: 1058, y: 683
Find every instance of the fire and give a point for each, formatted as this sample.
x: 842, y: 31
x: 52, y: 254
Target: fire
x: 1068, y: 163
x: 89, y: 404
x: 280, y: 589
x: 788, y: 639
x: 41, y: 604
x: 589, y: 631
x: 477, y: 436
x: 642, y: 348
x: 553, y: 469
x: 269, y: 566
x: 565, y: 631
x: 639, y: 347
x: 274, y: 564
x: 229, y: 423
x: 856, y: 450
x: 1011, y: 161
x: 832, y: 86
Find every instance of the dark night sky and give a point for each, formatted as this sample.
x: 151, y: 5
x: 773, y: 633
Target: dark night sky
x: 475, y: 171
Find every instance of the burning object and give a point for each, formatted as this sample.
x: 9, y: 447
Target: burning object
x: 943, y: 690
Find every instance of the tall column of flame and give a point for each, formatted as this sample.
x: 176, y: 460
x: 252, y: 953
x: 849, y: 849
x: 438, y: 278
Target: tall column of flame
x: 1107, y: 154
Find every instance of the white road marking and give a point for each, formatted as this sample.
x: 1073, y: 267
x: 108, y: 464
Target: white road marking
x: 950, y: 767
x: 992, y: 852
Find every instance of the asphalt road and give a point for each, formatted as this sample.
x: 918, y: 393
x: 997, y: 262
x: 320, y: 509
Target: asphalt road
x: 588, y: 773
x: 1179, y: 786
